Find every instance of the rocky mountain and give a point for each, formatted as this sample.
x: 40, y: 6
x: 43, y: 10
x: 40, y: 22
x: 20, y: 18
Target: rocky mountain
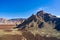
x: 11, y: 21
x: 16, y: 20
x: 43, y: 24
x: 2, y: 20
x: 40, y: 19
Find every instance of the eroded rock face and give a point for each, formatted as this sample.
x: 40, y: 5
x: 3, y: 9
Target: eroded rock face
x: 41, y: 25
x: 57, y: 24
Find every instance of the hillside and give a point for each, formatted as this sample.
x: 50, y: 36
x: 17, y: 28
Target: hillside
x: 43, y: 24
x: 14, y: 34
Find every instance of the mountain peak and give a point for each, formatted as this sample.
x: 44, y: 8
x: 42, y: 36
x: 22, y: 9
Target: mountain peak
x: 40, y: 13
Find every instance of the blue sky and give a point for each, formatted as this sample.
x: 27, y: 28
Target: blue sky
x: 25, y: 8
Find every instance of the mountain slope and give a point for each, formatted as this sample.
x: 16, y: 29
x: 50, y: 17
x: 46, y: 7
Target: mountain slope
x: 43, y: 24
x: 41, y: 18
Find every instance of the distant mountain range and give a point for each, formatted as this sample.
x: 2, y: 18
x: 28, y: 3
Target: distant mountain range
x: 17, y: 19
x: 11, y: 21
